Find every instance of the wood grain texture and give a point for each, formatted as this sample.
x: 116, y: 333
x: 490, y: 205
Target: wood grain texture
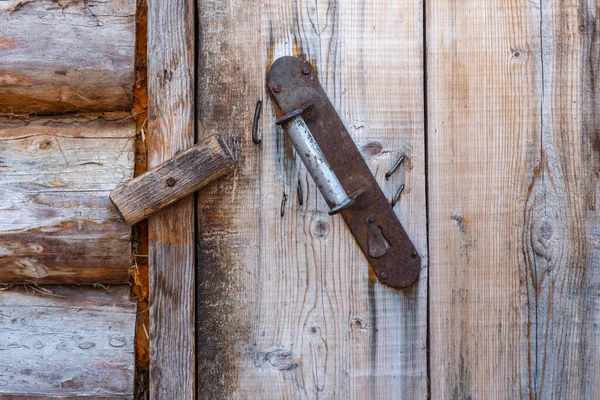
x: 173, y: 180
x: 171, y: 231
x: 66, y: 342
x: 513, y: 188
x: 287, y: 305
x: 66, y: 55
x: 57, y: 224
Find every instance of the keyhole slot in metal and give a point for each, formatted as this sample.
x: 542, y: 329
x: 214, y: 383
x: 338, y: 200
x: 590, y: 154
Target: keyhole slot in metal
x: 377, y: 242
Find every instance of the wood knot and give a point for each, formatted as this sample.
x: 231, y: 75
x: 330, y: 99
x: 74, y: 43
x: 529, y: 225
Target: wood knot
x: 321, y: 228
x: 371, y: 149
x: 45, y: 144
x: 281, y: 360
x: 545, y: 230
x: 359, y: 323
x: 117, y: 342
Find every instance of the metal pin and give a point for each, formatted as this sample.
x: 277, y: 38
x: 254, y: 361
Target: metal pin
x: 313, y: 158
x: 299, y: 193
x: 257, y: 110
x: 283, y: 201
x: 395, y: 166
x: 397, y: 196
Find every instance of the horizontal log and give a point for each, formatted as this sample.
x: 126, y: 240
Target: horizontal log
x: 173, y: 180
x: 57, y: 224
x: 66, y: 341
x: 66, y: 55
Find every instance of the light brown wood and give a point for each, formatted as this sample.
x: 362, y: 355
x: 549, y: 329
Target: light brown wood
x: 287, y: 306
x: 514, y: 192
x: 57, y: 224
x: 66, y: 55
x: 171, y: 231
x: 173, y: 180
x: 65, y: 342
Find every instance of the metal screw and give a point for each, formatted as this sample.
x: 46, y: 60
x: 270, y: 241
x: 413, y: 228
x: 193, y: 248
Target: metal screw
x: 171, y: 182
x: 384, y: 276
x: 277, y: 88
x: 306, y: 69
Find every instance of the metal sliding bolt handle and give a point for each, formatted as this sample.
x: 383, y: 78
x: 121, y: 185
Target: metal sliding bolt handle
x: 314, y: 160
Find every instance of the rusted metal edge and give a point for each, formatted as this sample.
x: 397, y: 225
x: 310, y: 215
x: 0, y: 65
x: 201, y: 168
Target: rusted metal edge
x: 371, y: 218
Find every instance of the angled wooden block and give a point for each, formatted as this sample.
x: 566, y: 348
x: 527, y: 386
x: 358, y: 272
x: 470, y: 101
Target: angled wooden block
x: 66, y: 342
x: 173, y: 179
x: 57, y: 224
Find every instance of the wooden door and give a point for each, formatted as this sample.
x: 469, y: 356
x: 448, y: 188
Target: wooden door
x: 494, y: 105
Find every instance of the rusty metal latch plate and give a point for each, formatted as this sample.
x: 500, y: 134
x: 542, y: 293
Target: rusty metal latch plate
x: 296, y: 90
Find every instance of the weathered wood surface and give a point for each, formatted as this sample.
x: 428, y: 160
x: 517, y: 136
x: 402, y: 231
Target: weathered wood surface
x: 171, y: 231
x: 173, y: 180
x: 66, y: 342
x: 514, y: 139
x: 57, y: 224
x: 287, y: 305
x: 66, y: 55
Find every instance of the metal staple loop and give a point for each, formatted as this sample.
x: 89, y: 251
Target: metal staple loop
x: 257, y: 111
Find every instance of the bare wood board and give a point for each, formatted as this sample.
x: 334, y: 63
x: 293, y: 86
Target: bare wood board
x: 514, y: 189
x: 171, y: 231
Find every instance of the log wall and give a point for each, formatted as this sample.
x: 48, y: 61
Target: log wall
x: 66, y: 55
x: 57, y: 224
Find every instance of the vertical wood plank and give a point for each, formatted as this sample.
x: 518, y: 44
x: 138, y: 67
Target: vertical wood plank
x: 565, y: 227
x: 171, y: 232
x: 513, y: 189
x: 287, y: 306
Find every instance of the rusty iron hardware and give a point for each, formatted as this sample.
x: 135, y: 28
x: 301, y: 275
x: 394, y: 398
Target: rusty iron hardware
x: 396, y: 197
x: 395, y: 167
x: 316, y: 130
x: 257, y: 140
x: 317, y: 166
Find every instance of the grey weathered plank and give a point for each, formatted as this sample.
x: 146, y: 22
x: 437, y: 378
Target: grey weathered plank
x: 514, y: 192
x: 57, y: 224
x: 562, y: 223
x: 66, y: 55
x: 173, y: 180
x: 67, y: 342
x: 287, y: 308
x: 171, y: 231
